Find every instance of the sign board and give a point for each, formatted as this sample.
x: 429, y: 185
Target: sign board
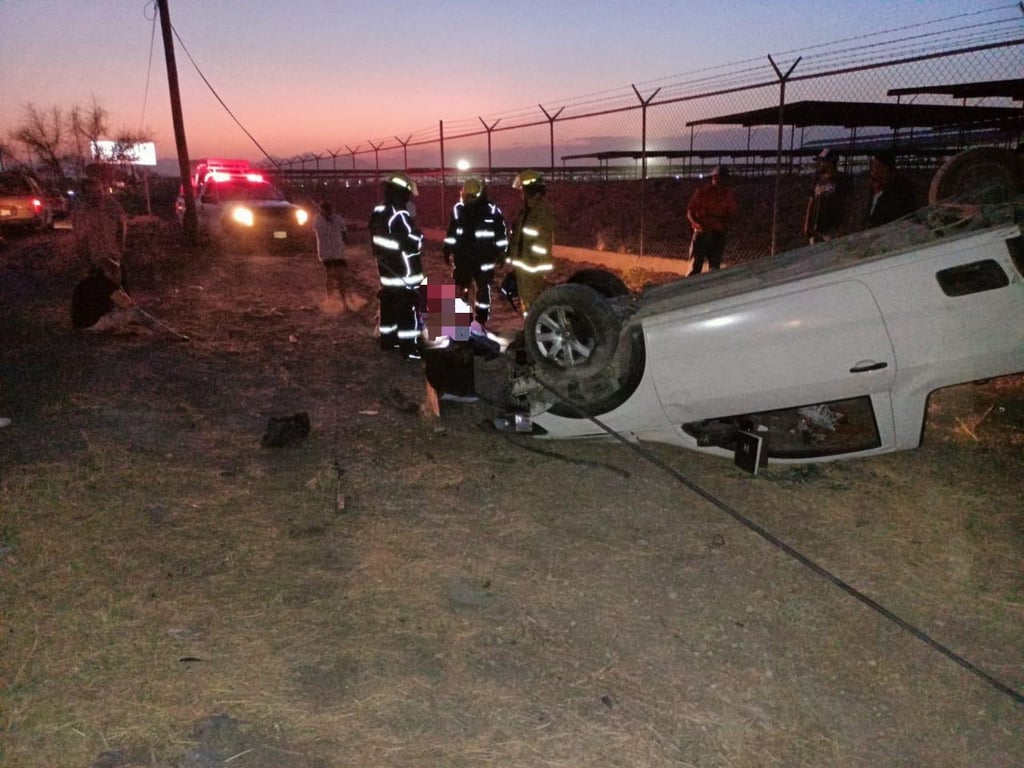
x: 142, y: 153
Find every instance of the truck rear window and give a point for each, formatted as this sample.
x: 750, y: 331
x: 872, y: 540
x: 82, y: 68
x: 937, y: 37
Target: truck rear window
x: 976, y: 277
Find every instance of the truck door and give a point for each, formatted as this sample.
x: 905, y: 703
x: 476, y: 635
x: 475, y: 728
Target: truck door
x: 780, y: 351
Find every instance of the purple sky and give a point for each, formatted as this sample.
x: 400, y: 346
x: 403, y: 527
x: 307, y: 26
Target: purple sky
x: 310, y: 75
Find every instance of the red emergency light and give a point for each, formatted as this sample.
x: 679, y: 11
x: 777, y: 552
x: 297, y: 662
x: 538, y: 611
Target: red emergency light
x: 220, y: 170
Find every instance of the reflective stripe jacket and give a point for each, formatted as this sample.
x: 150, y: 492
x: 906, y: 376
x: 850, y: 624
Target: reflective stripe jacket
x: 532, y: 236
x: 476, y: 235
x: 396, y: 243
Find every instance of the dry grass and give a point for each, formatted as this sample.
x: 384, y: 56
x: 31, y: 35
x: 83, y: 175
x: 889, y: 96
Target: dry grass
x: 173, y: 595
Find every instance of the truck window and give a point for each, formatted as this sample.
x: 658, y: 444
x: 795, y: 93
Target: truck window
x: 822, y: 429
x: 976, y: 277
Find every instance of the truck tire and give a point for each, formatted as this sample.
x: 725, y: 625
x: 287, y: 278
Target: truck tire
x: 571, y: 331
x: 608, y: 389
x: 604, y: 282
x: 977, y: 175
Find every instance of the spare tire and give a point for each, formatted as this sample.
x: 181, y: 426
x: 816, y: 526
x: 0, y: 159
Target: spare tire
x: 977, y: 175
x: 571, y: 331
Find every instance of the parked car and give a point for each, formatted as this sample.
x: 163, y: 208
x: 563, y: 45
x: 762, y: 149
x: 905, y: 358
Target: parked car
x: 825, y: 352
x: 238, y: 207
x: 60, y: 205
x: 23, y: 203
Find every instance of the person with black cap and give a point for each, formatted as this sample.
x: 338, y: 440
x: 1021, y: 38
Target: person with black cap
x: 892, y: 194
x: 711, y: 210
x: 99, y: 301
x: 827, y: 213
x: 100, y: 228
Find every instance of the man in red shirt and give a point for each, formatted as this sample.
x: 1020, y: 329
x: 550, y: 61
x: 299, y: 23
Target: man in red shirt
x: 710, y: 212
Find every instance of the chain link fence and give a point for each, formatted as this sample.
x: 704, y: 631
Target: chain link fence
x: 622, y: 164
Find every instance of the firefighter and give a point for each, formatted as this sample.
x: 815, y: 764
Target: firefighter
x: 396, y: 243
x: 532, y: 238
x: 476, y: 242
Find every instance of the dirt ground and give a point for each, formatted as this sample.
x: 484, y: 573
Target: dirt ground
x: 174, y: 594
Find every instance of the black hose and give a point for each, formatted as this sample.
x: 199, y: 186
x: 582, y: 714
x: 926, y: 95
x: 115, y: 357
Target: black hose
x: 802, y: 559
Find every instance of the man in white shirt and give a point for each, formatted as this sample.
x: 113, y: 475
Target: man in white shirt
x: 331, y: 238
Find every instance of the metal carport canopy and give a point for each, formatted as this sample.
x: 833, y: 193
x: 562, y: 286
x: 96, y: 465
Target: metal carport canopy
x: 858, y: 114
x: 674, y: 154
x: 1007, y: 89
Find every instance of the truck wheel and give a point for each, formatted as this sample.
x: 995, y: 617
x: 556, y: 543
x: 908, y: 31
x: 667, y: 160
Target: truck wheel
x: 607, y: 390
x: 977, y: 175
x: 571, y: 331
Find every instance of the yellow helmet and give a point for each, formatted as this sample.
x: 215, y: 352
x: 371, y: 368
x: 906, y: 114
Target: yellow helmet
x: 472, y: 188
x: 527, y: 179
x: 402, y: 181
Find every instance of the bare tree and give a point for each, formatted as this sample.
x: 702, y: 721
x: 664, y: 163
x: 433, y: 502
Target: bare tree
x: 6, y: 155
x: 44, y: 133
x: 54, y: 139
x: 88, y: 125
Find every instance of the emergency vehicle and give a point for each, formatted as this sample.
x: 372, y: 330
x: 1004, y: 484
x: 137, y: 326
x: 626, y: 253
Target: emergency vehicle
x: 238, y: 207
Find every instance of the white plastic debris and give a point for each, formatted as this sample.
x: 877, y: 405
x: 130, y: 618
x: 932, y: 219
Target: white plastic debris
x: 821, y: 416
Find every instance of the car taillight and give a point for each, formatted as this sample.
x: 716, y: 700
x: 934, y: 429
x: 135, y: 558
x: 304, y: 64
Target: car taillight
x: 37, y: 205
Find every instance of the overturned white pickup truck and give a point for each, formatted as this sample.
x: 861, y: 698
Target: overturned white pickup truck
x: 825, y: 352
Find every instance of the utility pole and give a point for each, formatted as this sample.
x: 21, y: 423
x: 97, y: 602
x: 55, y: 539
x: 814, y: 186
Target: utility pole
x: 191, y: 222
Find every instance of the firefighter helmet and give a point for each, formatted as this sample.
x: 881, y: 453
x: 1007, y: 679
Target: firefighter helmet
x: 472, y: 188
x: 402, y: 181
x: 527, y: 179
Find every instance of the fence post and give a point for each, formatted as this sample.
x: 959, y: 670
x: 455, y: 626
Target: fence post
x: 551, y: 128
x: 352, y: 151
x: 490, y: 130
x: 778, y: 148
x: 444, y: 206
x: 376, y: 157
x: 644, y: 103
x: 405, y: 152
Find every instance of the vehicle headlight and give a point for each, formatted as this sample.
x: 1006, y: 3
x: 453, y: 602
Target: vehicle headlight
x: 242, y: 215
x: 301, y: 216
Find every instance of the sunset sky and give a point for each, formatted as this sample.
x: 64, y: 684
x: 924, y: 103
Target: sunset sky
x: 315, y: 75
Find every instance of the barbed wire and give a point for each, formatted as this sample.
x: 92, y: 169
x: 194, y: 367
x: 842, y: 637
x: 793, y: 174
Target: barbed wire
x: 969, y: 30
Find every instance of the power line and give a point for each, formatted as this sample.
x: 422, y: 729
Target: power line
x: 149, y: 66
x: 219, y: 99
x: 791, y: 551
